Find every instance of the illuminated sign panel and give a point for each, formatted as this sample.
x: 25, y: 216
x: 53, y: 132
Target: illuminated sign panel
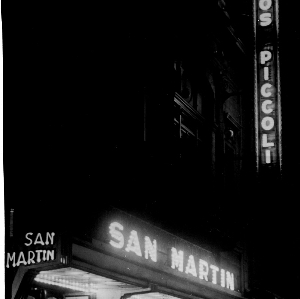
x: 146, y: 247
x: 131, y: 240
x: 38, y: 248
x: 267, y: 83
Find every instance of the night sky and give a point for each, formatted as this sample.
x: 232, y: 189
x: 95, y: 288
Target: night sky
x: 60, y: 114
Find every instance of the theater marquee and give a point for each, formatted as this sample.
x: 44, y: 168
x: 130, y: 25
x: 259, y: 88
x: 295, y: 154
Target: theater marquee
x: 164, y: 259
x: 267, y: 86
x: 192, y: 265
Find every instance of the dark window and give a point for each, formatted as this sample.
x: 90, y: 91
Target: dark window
x: 229, y: 166
x: 194, y: 88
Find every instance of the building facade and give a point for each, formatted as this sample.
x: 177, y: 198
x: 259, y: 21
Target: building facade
x: 175, y: 120
x: 192, y: 113
x: 116, y: 255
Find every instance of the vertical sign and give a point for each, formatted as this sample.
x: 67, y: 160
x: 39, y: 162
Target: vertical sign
x: 267, y: 87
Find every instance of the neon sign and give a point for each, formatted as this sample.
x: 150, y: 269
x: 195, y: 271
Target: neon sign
x: 268, y: 109
x: 134, y: 244
x: 37, y: 255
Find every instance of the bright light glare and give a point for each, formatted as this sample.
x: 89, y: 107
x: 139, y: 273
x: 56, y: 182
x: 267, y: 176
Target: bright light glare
x: 229, y: 280
x: 214, y: 269
x: 114, y: 230
x: 65, y: 283
x: 203, y: 269
x: 177, y: 259
x: 190, y: 267
x: 134, y: 244
x: 223, y: 278
x: 150, y: 249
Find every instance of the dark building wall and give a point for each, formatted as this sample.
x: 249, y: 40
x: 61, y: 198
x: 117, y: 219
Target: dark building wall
x: 88, y: 79
x: 203, y: 70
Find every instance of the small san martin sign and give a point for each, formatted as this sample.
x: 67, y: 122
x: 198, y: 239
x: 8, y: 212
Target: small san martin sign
x: 39, y: 252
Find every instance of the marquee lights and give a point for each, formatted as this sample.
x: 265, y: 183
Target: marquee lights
x: 223, y: 278
x: 190, y: 267
x: 178, y: 262
x: 177, y: 259
x: 203, y: 269
x: 229, y: 280
x: 214, y: 273
x: 66, y: 283
x: 150, y: 249
x: 267, y: 78
x: 114, y: 230
x: 134, y: 244
x: 186, y: 264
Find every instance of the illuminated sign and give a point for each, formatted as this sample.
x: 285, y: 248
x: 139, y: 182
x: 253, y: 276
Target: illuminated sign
x: 146, y: 247
x: 41, y: 250
x: 268, y: 109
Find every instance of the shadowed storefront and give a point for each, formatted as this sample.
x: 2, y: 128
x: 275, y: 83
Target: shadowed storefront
x: 121, y: 256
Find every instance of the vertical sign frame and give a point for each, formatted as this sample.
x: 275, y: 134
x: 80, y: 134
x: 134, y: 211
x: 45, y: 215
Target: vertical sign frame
x: 267, y: 104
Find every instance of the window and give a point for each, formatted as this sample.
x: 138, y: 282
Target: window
x: 194, y: 88
x: 191, y: 141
